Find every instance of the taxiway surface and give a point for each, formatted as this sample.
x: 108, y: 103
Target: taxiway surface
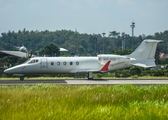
x: 87, y: 82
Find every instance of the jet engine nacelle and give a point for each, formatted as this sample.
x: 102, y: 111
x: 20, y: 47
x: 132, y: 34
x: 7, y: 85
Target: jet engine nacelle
x: 115, y: 59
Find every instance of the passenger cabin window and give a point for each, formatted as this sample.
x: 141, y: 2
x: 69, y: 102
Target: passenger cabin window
x: 52, y: 63
x: 77, y: 63
x: 64, y: 63
x: 71, y: 63
x: 58, y: 63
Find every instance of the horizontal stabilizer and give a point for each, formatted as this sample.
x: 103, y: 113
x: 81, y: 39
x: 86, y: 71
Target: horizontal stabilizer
x: 144, y: 65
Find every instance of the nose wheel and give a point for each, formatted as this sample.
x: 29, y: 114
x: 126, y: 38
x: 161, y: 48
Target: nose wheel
x: 21, y: 78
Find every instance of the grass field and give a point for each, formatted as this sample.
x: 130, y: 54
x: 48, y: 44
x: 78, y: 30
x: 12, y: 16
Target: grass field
x: 52, y: 102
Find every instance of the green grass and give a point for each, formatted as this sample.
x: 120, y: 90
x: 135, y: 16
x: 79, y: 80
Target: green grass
x: 47, y: 102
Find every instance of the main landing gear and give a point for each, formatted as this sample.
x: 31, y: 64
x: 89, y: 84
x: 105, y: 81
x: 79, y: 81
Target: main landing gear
x: 21, y: 78
x: 90, y: 76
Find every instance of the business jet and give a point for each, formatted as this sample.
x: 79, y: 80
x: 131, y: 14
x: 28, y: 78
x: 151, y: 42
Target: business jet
x: 143, y: 56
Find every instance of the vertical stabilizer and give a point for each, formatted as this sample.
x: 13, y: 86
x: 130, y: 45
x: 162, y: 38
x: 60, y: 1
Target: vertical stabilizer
x: 146, y: 50
x: 144, y: 54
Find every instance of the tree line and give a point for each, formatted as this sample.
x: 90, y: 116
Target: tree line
x: 75, y: 42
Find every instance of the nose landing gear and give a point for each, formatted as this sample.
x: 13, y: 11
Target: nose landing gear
x: 21, y: 78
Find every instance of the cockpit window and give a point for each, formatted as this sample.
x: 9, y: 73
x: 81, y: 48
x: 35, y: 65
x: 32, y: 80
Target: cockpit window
x: 33, y: 61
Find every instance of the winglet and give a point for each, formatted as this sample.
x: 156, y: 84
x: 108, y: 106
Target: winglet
x: 105, y: 67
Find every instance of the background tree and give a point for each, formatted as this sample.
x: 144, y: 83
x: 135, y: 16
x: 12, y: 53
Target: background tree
x: 134, y: 70
x: 122, y: 52
x: 50, y: 50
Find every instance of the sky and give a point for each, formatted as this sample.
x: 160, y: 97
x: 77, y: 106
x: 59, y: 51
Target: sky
x: 85, y: 16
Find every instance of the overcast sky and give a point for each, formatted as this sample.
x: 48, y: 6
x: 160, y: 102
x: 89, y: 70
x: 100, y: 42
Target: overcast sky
x: 87, y: 16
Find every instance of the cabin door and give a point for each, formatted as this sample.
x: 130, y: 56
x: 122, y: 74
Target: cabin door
x: 44, y: 63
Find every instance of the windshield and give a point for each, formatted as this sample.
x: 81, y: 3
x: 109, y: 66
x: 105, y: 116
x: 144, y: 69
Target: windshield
x: 33, y: 61
x: 30, y: 61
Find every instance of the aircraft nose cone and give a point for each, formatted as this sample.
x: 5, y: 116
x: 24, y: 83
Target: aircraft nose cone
x: 13, y: 70
x: 8, y: 71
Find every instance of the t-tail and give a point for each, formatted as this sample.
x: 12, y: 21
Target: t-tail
x: 144, y: 54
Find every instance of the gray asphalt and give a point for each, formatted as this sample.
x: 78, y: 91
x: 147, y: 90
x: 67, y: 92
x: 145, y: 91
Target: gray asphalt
x: 86, y: 82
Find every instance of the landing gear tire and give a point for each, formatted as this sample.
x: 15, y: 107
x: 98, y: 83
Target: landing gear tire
x: 90, y: 76
x: 22, y: 78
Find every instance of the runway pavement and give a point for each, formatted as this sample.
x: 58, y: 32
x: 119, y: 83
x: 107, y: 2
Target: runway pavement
x: 86, y: 82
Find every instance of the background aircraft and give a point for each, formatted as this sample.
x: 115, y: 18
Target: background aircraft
x: 143, y: 56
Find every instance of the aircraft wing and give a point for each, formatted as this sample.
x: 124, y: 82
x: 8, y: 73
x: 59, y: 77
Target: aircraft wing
x: 82, y: 70
x: 103, y: 69
x: 86, y: 70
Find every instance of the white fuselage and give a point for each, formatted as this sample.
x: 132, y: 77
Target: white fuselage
x: 58, y: 65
